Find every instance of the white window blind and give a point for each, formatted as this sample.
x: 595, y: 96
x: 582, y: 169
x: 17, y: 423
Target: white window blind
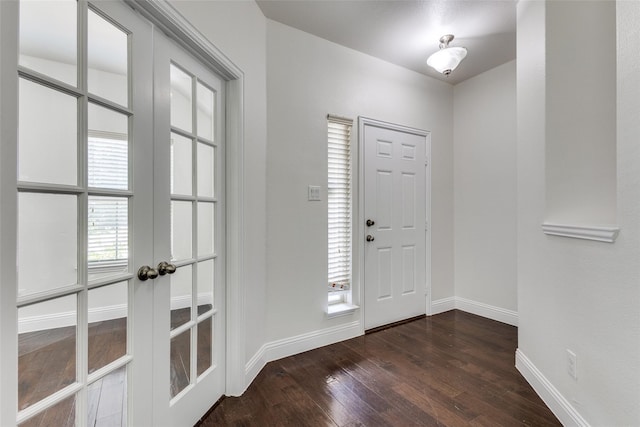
x: 339, y: 202
x: 108, y: 217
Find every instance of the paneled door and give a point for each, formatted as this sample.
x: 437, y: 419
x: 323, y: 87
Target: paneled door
x: 111, y: 221
x: 394, y: 229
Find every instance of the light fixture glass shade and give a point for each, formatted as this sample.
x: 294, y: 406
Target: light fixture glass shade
x: 447, y: 59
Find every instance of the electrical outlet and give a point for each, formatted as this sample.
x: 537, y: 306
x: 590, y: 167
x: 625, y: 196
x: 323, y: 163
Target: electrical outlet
x: 572, y: 364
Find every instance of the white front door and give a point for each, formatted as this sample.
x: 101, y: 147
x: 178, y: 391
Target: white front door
x: 394, y: 215
x: 91, y: 192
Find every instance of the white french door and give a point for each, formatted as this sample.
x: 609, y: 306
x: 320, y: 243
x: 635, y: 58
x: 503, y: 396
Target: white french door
x: 190, y: 333
x: 102, y: 174
x: 395, y: 218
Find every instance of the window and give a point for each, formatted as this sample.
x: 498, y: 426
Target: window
x: 339, y: 208
x: 108, y: 231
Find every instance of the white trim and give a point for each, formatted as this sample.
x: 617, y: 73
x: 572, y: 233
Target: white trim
x: 427, y: 226
x: 341, y: 309
x: 300, y: 343
x: 162, y: 14
x: 442, y: 305
x: 69, y: 318
x: 169, y: 20
x: 98, y: 314
x: 559, y: 405
x: 607, y: 234
x: 8, y: 212
x: 365, y: 121
x: 510, y: 317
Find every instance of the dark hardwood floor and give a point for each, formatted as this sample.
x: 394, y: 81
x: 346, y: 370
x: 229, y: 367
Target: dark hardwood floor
x: 452, y: 369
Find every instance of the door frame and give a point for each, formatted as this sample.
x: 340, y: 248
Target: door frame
x: 165, y: 17
x: 359, y: 228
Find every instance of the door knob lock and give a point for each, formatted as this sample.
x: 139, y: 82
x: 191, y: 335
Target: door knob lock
x: 145, y: 273
x: 370, y: 238
x: 166, y: 268
x: 370, y: 222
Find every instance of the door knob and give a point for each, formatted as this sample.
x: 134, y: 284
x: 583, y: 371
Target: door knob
x: 370, y: 238
x: 145, y: 272
x: 165, y: 268
x: 370, y: 222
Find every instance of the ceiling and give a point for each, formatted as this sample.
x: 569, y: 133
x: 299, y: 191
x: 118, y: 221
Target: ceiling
x: 406, y: 32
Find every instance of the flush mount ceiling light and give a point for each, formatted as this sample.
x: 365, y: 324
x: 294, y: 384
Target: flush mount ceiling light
x: 447, y: 58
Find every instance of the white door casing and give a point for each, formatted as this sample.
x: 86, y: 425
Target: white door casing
x: 395, y: 199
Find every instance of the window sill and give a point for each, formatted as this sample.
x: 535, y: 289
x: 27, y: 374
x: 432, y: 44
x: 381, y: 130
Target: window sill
x: 343, y: 309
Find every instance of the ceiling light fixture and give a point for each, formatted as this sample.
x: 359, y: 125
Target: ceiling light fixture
x: 447, y: 58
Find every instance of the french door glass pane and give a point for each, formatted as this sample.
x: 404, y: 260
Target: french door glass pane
x: 181, y: 230
x: 108, y: 308
x: 205, y: 228
x: 204, y: 344
x: 47, y: 242
x: 181, y: 165
x: 205, y: 286
x: 180, y: 361
x: 48, y: 135
x: 205, y: 118
x: 108, y: 236
x: 181, y: 99
x: 181, y: 296
x: 206, y: 161
x: 46, y: 348
x: 107, y: 60
x: 107, y: 400
x: 107, y: 148
x: 62, y: 414
x: 48, y: 40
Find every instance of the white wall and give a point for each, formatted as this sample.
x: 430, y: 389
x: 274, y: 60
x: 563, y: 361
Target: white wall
x: 484, y: 134
x: 577, y: 294
x: 581, y: 112
x: 309, y: 77
x: 238, y: 29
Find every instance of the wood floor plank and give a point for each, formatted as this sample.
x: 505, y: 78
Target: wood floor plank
x: 452, y: 369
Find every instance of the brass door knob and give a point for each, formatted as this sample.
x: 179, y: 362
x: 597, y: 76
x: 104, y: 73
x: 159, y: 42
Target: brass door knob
x: 145, y: 273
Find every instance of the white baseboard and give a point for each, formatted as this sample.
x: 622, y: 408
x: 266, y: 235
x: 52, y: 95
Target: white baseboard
x: 442, y: 305
x: 558, y: 404
x: 99, y: 314
x: 68, y: 318
x: 503, y: 315
x: 300, y: 343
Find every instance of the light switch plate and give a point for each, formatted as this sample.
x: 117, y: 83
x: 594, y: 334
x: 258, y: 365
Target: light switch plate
x: 314, y: 193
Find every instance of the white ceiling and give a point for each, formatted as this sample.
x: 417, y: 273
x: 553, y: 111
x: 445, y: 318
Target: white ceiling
x: 406, y: 32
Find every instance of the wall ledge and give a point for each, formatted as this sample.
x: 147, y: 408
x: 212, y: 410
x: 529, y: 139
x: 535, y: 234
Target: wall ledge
x: 607, y: 234
x: 559, y: 405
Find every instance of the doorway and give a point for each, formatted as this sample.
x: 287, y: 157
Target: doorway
x: 396, y: 238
